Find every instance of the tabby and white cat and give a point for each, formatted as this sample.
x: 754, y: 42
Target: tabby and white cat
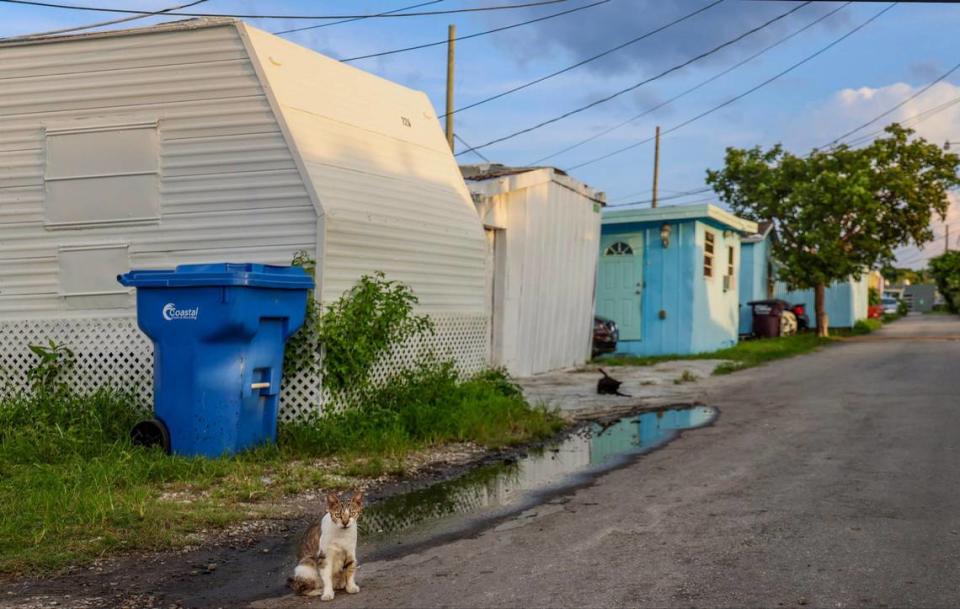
x: 327, y: 559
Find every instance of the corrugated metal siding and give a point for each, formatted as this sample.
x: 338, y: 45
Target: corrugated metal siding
x: 229, y: 186
x: 391, y: 193
x: 552, y: 242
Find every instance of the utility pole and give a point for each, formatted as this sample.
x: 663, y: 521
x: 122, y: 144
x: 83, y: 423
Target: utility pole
x: 946, y: 245
x: 451, y: 43
x: 656, y: 168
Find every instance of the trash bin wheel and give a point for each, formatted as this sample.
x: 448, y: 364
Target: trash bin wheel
x: 150, y: 433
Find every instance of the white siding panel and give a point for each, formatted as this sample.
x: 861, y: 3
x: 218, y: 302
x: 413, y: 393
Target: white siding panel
x: 552, y: 240
x: 229, y: 188
x: 391, y: 192
x: 136, y: 52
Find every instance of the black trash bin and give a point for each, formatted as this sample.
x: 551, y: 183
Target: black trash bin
x: 766, y: 317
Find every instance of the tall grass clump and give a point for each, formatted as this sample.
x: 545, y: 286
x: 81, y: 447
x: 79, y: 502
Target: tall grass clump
x: 425, y: 406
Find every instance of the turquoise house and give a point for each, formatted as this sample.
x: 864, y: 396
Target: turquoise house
x: 756, y: 273
x: 845, y: 301
x: 668, y: 277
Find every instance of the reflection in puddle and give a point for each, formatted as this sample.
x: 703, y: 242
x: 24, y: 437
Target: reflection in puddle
x: 590, y: 450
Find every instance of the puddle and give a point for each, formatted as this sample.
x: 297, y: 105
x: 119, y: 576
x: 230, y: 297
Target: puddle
x: 491, y: 489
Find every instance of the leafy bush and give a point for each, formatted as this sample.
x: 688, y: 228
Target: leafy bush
x: 54, y: 361
x: 344, y: 342
x: 873, y: 297
x: 866, y: 326
x: 946, y: 272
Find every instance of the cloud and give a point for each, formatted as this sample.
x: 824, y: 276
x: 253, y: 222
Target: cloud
x: 933, y: 115
x: 586, y: 33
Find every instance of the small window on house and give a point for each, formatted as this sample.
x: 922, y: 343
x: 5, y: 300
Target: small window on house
x: 708, y: 252
x: 619, y: 249
x: 730, y: 265
x: 101, y: 175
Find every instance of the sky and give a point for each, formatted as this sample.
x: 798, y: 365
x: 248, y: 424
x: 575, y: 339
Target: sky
x: 892, y: 57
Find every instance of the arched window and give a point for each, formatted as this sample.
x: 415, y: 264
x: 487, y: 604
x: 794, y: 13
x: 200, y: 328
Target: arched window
x: 619, y: 249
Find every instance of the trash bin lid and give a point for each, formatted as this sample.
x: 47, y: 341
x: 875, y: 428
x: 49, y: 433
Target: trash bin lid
x: 221, y: 274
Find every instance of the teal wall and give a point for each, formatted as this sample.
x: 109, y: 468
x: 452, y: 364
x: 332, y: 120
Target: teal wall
x: 846, y: 301
x: 754, y: 274
x: 698, y: 315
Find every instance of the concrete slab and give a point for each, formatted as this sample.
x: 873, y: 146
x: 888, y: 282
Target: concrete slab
x: 574, y: 392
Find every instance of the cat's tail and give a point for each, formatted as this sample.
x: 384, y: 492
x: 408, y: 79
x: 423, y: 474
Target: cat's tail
x: 305, y: 576
x: 603, y: 372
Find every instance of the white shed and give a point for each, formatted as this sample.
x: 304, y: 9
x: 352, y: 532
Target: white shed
x: 210, y: 140
x: 543, y: 233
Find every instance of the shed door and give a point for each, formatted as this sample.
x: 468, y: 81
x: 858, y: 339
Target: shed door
x: 620, y: 283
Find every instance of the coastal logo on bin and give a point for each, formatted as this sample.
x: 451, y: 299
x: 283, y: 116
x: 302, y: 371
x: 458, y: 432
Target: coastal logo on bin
x: 172, y: 313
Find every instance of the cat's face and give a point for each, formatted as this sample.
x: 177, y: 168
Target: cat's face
x: 346, y: 514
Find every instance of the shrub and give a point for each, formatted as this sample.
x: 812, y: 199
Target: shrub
x: 343, y: 343
x: 866, y: 326
x: 946, y: 272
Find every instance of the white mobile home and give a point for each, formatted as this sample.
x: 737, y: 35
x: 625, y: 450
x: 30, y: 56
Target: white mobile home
x: 543, y: 229
x: 209, y: 140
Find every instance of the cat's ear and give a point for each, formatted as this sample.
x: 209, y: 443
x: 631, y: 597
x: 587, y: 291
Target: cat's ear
x: 333, y: 502
x: 356, y: 502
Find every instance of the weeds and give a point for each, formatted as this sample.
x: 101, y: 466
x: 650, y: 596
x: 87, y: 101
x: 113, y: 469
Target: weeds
x: 686, y: 377
x: 424, y: 407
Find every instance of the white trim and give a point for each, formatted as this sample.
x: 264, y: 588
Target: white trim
x: 142, y: 221
x: 93, y: 246
x: 101, y: 293
x: 93, y: 176
x: 73, y: 128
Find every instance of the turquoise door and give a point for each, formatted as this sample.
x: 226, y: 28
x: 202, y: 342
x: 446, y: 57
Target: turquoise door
x: 620, y: 283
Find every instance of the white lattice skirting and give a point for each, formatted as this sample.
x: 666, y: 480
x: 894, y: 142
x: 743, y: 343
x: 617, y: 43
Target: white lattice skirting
x: 113, y: 352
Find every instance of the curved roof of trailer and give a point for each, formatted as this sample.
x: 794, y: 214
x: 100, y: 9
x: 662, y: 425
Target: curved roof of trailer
x: 674, y: 213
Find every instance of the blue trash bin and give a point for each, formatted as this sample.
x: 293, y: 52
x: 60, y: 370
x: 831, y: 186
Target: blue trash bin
x: 218, y: 332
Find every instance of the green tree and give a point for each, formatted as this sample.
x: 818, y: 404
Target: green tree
x: 945, y: 269
x: 841, y: 211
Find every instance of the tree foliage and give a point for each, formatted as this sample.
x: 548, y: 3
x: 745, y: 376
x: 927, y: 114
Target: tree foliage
x: 946, y: 272
x: 841, y: 211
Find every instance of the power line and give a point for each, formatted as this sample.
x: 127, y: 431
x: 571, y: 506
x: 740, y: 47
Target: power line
x: 686, y: 92
x: 464, y: 142
x: 589, y: 59
x: 897, y: 106
x: 737, y: 98
x: 476, y: 35
x: 253, y: 16
x: 639, y: 84
x: 91, y: 26
x: 383, y: 14
x: 681, y: 195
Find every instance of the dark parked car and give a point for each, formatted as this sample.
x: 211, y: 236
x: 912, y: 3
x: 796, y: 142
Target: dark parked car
x: 605, y: 335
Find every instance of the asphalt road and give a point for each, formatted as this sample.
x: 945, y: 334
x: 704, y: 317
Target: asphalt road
x: 829, y: 480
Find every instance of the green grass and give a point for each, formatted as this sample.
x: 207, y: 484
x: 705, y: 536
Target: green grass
x: 73, y: 488
x: 745, y: 354
x: 866, y: 326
